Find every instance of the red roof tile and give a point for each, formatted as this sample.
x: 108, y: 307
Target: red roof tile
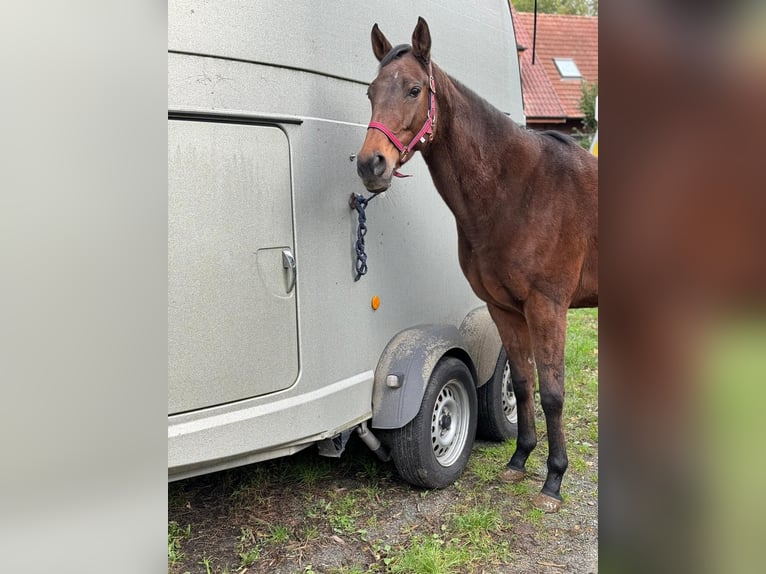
x: 546, y: 94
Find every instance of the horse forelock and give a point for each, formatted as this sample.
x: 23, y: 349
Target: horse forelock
x: 394, y: 53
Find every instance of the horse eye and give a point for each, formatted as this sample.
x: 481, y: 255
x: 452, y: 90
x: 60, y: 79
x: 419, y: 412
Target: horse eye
x: 414, y: 92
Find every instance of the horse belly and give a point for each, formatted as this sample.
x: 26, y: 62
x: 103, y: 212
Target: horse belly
x: 586, y: 294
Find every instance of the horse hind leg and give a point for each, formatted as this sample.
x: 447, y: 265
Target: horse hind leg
x: 515, y: 336
x: 547, y: 325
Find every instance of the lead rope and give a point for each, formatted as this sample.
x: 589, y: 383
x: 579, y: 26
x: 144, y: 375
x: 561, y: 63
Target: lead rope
x: 359, y: 203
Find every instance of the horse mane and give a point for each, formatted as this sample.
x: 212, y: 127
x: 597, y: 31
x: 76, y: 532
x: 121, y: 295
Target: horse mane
x: 563, y: 138
x: 492, y: 117
x: 394, y: 53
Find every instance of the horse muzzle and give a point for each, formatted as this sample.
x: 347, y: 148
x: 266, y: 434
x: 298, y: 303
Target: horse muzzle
x: 374, y: 171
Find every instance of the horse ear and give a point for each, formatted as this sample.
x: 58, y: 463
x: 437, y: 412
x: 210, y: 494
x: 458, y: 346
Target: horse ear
x: 421, y: 41
x: 380, y: 45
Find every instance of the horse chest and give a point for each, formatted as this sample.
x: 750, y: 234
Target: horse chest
x: 490, y: 279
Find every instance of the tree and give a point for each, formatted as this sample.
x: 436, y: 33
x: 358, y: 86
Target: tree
x: 579, y: 7
x: 587, y: 105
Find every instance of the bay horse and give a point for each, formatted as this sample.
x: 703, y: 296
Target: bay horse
x: 526, y: 208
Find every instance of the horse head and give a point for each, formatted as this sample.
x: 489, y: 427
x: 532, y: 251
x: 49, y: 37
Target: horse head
x: 403, y: 107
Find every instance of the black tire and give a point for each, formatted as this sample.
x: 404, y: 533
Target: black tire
x: 432, y: 450
x: 498, y: 418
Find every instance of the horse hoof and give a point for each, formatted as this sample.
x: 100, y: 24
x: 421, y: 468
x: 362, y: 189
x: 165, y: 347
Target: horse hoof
x: 512, y: 475
x: 546, y: 503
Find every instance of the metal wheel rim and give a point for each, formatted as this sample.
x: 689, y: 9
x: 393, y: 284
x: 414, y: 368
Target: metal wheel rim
x: 449, y: 423
x: 508, y: 398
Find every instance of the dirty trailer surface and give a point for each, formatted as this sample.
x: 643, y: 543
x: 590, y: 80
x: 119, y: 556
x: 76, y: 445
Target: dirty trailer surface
x: 309, y: 514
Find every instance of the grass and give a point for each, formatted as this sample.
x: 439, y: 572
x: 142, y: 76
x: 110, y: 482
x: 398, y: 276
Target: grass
x: 249, y: 551
x: 476, y: 522
x: 309, y: 533
x: 279, y: 534
x: 343, y: 512
x: 535, y: 516
x: 581, y: 404
x: 487, y: 462
x: 523, y: 489
x: 348, y: 570
x: 370, y: 469
x: 176, y: 536
x: 298, y: 510
x: 430, y: 555
x: 308, y: 473
x: 249, y: 557
x: 477, y: 529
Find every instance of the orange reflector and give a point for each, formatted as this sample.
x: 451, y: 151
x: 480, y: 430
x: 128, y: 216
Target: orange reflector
x: 375, y: 303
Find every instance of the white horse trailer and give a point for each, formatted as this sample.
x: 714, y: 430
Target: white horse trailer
x: 272, y: 344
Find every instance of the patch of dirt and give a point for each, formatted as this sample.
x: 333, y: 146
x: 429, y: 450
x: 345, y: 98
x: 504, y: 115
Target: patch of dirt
x: 308, y: 514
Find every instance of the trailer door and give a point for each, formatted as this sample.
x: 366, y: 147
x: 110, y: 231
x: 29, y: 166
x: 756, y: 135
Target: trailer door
x: 232, y: 325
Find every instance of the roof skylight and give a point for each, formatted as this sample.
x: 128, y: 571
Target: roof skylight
x: 567, y: 68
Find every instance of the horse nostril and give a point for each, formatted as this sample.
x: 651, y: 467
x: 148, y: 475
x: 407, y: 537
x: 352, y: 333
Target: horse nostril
x: 378, y: 164
x: 363, y: 167
x: 372, y: 166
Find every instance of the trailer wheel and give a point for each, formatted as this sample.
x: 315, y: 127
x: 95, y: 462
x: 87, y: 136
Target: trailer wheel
x: 432, y: 450
x: 498, y: 415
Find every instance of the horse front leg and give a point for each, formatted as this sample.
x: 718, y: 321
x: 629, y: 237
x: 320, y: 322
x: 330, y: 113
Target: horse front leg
x: 514, y: 333
x: 547, y: 327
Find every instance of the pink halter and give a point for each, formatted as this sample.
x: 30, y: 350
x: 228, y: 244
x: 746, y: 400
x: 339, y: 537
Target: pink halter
x: 427, y: 128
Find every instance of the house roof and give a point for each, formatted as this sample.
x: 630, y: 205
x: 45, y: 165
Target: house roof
x: 546, y: 94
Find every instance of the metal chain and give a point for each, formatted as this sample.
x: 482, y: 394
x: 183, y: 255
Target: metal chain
x: 359, y: 203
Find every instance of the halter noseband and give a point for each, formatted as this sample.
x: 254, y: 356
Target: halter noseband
x: 427, y: 129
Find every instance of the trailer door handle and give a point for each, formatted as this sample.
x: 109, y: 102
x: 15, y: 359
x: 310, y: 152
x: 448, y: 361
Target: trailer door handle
x: 288, y: 262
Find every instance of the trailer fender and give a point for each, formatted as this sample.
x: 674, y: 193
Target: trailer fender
x: 483, y: 342
x: 404, y: 370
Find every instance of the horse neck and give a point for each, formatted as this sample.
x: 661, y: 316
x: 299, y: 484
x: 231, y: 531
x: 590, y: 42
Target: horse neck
x: 475, y: 146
